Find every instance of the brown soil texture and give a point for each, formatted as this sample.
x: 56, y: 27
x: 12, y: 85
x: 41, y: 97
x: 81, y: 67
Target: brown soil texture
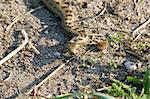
x: 91, y: 70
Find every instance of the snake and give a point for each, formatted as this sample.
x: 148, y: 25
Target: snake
x: 61, y: 8
x: 65, y: 13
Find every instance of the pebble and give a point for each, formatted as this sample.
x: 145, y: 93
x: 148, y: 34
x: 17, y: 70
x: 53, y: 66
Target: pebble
x: 45, y: 26
x: 57, y: 54
x: 46, y: 32
x: 130, y: 66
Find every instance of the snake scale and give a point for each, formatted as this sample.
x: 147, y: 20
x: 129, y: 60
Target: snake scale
x: 62, y: 9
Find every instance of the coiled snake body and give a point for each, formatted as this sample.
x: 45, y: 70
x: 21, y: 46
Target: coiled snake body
x: 61, y: 8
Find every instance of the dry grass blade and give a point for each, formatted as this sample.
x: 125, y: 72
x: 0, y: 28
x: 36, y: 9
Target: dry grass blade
x: 102, y: 12
x: 17, y: 49
x: 10, y: 75
x: 52, y: 74
x: 104, y: 88
x: 20, y: 17
x: 138, y: 36
x: 33, y: 47
x: 140, y: 27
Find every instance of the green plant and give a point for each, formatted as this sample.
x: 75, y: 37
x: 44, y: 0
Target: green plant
x: 134, y: 79
x: 112, y: 64
x: 116, y: 38
x: 147, y: 81
x: 94, y: 95
x: 140, y: 1
x: 117, y: 91
x: 120, y: 89
x: 141, y: 45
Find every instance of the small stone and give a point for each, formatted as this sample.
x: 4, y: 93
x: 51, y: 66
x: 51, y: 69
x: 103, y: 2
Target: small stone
x: 57, y: 54
x: 46, y: 32
x: 130, y: 66
x: 45, y: 26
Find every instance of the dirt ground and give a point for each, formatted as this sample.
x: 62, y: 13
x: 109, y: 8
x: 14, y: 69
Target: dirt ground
x: 92, y: 70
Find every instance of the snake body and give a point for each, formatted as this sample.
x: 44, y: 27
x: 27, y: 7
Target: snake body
x: 66, y: 14
x: 61, y: 8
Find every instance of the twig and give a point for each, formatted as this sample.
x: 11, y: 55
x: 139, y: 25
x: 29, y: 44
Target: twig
x: 52, y: 74
x: 102, y: 12
x: 101, y: 89
x: 35, y: 49
x: 140, y: 27
x: 17, y: 49
x: 138, y: 35
x: 15, y: 20
x: 20, y: 17
x: 10, y: 75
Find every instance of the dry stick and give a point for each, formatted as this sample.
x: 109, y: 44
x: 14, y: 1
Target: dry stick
x: 101, y: 13
x: 17, y: 49
x: 140, y: 27
x: 6, y: 79
x: 138, y: 35
x: 11, y: 72
x: 20, y: 17
x: 33, y: 47
x: 53, y: 73
x: 104, y: 88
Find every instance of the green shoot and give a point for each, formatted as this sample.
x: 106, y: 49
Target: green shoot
x: 94, y: 95
x: 147, y: 81
x: 116, y: 38
x: 120, y: 89
x: 141, y: 1
x: 134, y: 79
x: 112, y: 64
x: 141, y: 46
